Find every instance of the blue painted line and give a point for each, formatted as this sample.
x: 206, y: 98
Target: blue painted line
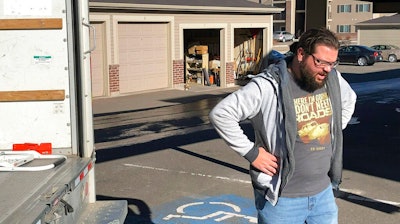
x: 222, y: 209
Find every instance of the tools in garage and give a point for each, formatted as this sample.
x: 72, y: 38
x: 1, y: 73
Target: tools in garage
x: 196, y: 63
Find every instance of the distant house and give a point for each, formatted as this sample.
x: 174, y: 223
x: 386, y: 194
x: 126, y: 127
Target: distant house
x: 146, y: 45
x: 382, y: 30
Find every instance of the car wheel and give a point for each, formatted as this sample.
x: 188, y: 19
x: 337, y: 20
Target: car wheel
x: 392, y: 58
x: 284, y: 39
x: 362, y: 61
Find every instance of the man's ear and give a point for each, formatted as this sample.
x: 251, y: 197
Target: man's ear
x: 300, y: 54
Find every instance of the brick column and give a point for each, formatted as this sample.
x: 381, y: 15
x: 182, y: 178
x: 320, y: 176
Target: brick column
x: 230, y: 77
x: 178, y: 72
x: 113, y: 71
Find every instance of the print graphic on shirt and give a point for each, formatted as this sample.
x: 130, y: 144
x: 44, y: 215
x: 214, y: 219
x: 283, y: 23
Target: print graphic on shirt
x: 313, y: 113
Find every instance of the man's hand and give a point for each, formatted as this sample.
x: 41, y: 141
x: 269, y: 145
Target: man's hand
x: 266, y: 162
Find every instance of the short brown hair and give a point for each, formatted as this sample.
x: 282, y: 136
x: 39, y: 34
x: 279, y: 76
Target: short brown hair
x: 313, y: 37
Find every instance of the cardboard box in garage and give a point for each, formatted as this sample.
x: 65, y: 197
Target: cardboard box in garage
x: 198, y: 49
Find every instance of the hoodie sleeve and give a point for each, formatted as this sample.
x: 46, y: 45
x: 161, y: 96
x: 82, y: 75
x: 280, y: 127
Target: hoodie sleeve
x: 226, y: 116
x: 349, y: 98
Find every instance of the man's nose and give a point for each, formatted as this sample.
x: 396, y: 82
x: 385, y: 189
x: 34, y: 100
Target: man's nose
x: 327, y: 68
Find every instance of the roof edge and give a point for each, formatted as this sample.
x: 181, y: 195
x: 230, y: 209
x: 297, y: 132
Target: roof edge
x: 377, y: 24
x: 151, y: 7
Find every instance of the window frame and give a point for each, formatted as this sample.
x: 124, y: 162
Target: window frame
x: 365, y: 7
x: 346, y: 28
x: 345, y: 8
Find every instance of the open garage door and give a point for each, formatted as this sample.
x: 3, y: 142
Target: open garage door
x: 143, y: 51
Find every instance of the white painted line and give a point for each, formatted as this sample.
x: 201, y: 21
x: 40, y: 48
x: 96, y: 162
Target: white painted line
x: 363, y: 198
x: 235, y: 207
x: 223, y: 215
x: 353, y: 191
x: 181, y: 209
x: 188, y: 173
x: 360, y: 198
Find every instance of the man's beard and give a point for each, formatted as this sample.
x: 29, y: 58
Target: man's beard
x: 307, y: 81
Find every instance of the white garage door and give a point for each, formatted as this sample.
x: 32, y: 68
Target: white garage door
x: 143, y: 51
x: 379, y: 36
x: 98, y: 71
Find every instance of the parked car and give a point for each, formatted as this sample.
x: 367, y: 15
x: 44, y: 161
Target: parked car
x: 283, y: 36
x: 358, y: 54
x: 389, y: 52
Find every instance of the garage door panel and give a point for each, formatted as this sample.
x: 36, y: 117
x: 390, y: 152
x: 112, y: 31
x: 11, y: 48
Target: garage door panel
x: 139, y: 84
x: 381, y: 36
x: 97, y: 59
x: 143, y: 56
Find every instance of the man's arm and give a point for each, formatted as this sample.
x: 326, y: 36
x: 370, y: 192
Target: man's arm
x: 349, y: 98
x: 226, y: 116
x: 236, y: 107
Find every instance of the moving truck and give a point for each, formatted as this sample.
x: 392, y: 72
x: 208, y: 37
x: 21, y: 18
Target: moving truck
x: 47, y: 156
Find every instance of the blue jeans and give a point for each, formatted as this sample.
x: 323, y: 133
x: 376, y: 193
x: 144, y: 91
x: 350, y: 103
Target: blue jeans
x: 317, y: 209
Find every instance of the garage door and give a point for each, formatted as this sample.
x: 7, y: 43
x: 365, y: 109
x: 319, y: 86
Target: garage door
x: 98, y: 71
x: 379, y: 36
x: 142, y: 56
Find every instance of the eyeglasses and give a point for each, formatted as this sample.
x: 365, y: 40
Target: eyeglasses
x: 322, y: 64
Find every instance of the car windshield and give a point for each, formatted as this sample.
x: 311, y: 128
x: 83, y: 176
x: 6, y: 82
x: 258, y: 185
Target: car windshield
x: 369, y: 48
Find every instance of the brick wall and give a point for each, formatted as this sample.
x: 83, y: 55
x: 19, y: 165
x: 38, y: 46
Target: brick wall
x: 230, y: 78
x: 113, y: 71
x: 178, y: 72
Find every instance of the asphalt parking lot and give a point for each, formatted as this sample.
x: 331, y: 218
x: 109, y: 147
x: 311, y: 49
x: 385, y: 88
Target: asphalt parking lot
x: 159, y: 154
x: 377, y: 67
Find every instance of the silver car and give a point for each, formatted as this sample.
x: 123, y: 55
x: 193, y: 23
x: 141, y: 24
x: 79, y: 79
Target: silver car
x: 283, y: 36
x: 389, y: 52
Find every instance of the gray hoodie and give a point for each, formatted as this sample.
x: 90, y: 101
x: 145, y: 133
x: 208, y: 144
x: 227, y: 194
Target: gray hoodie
x: 268, y: 103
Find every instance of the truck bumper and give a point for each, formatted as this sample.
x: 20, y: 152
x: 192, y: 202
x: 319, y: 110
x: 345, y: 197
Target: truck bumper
x: 105, y: 212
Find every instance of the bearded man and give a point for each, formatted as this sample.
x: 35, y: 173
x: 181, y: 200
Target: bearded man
x: 298, y: 108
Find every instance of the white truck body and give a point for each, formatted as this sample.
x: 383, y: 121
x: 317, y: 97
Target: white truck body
x: 45, y: 97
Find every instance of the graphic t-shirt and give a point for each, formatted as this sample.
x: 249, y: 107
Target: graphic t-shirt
x: 313, y: 149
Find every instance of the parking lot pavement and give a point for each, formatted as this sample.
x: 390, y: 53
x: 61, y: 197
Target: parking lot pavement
x: 377, y: 67
x: 156, y: 98
x: 193, y: 177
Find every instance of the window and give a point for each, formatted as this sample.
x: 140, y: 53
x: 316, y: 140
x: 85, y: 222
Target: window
x: 343, y: 28
x: 344, y: 8
x: 363, y: 8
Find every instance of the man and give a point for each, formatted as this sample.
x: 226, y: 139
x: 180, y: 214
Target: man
x: 298, y: 108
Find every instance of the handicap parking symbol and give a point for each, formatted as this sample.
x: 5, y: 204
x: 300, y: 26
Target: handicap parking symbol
x: 218, y: 209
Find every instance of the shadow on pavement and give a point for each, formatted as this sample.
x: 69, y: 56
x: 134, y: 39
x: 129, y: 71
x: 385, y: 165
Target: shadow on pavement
x: 371, y: 76
x: 216, y: 161
x: 143, y: 214
x: 372, y: 146
x: 172, y: 142
x: 367, y: 202
x: 160, y: 102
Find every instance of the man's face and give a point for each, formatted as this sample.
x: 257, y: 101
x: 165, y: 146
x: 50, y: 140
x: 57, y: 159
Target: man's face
x: 314, y: 68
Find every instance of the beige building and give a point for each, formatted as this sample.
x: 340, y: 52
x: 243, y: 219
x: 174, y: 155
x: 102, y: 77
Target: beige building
x: 143, y: 45
x: 150, y: 45
x: 340, y: 16
x: 381, y: 30
x: 343, y: 15
x: 291, y: 19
